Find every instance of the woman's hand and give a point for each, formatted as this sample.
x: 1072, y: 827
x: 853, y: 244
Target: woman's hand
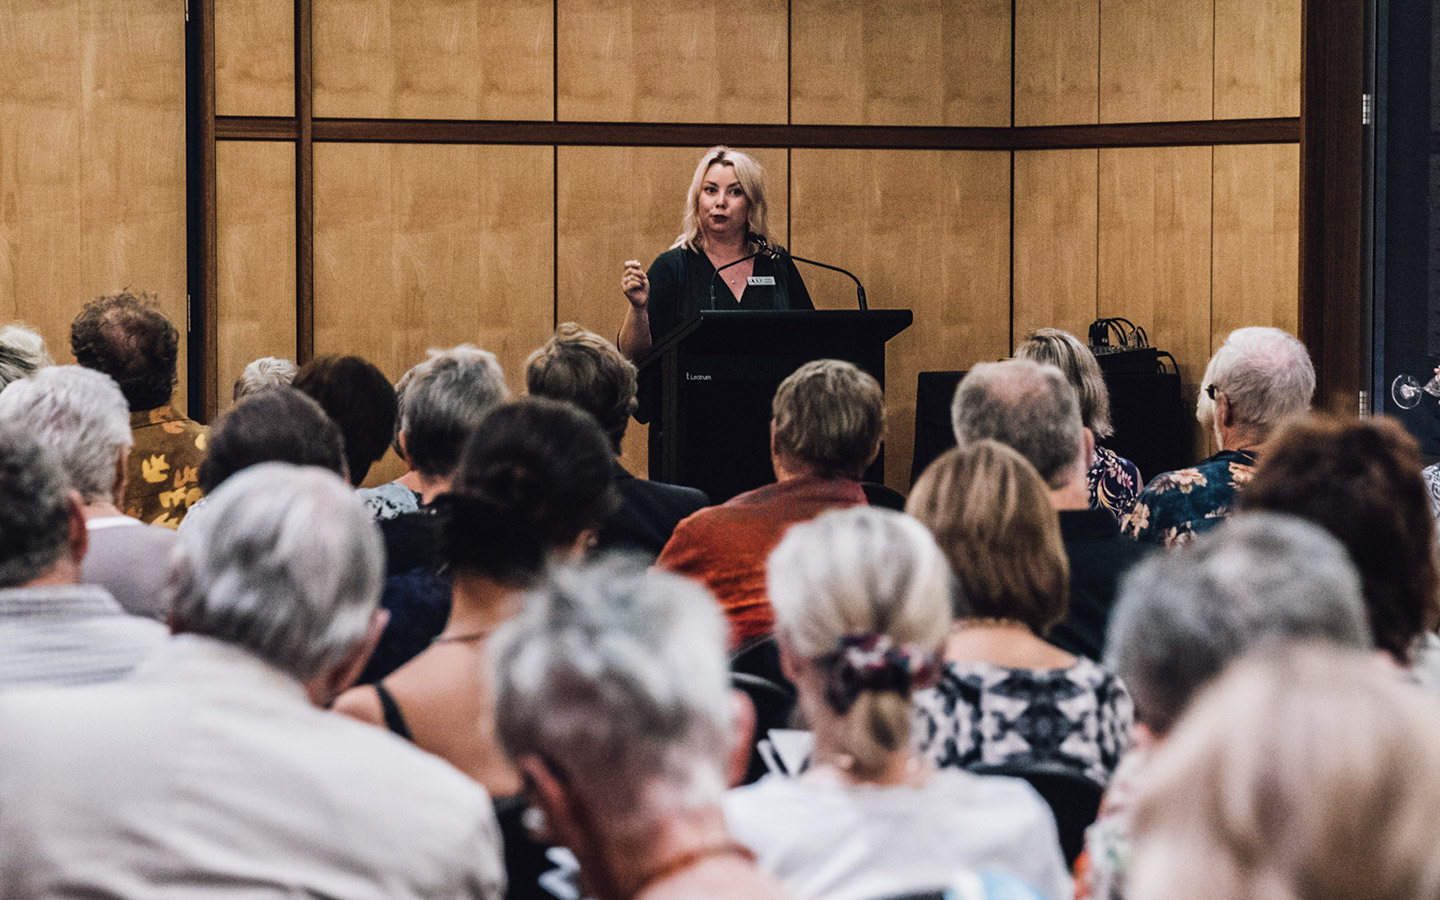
x: 635, y: 284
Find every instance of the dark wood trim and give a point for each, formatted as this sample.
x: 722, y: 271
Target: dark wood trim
x: 1057, y: 137
x: 201, y: 277
x: 304, y: 186
x: 1333, y: 314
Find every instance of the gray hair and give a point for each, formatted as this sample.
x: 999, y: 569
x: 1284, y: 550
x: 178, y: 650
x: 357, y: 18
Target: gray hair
x: 286, y: 564
x: 80, y: 416
x: 1265, y: 373
x: 265, y: 372
x: 1259, y: 578
x: 22, y: 352
x: 35, y: 511
x: 1028, y: 406
x: 619, y: 676
x: 444, y: 400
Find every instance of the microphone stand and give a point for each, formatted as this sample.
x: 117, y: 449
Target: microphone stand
x: 776, y: 253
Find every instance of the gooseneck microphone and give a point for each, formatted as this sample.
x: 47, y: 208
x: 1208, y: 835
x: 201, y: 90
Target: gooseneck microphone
x: 763, y: 250
x: 775, y: 252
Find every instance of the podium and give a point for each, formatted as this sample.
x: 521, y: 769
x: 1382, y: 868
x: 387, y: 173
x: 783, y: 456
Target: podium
x: 717, y: 374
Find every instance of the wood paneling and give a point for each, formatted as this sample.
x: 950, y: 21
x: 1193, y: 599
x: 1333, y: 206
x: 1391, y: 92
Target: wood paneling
x: 672, y: 60
x: 1057, y: 62
x: 1155, y: 250
x: 434, y: 59
x: 1156, y: 60
x: 1257, y: 239
x: 92, y: 150
x: 1257, y: 58
x: 255, y: 219
x: 924, y: 230
x: 900, y: 62
x: 1055, y: 258
x: 255, y: 58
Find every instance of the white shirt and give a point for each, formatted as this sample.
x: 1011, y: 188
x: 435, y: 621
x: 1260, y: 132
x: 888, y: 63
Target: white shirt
x: 70, y: 634
x: 856, y: 842
x: 209, y: 773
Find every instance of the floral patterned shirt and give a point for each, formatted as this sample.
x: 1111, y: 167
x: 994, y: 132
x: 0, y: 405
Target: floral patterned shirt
x: 1176, y: 506
x: 1100, y: 870
x: 164, y: 466
x: 1114, y: 483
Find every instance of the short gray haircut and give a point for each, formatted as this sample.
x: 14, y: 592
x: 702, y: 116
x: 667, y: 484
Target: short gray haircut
x: 445, y: 398
x: 286, y: 564
x: 34, y: 511
x: 1265, y: 373
x: 22, y: 353
x: 1028, y: 406
x: 80, y: 416
x: 1257, y: 579
x: 265, y: 372
x: 619, y: 676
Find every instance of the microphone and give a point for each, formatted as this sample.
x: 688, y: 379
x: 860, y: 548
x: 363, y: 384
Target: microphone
x: 726, y: 266
x: 775, y: 252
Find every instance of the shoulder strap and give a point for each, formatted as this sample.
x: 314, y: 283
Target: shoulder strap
x: 394, y: 719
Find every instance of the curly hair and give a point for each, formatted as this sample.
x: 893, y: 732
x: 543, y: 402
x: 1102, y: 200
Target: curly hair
x: 127, y: 337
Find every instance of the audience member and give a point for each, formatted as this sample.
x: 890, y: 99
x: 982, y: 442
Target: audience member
x: 262, y: 374
x: 1360, y: 481
x: 127, y: 337
x: 212, y: 766
x: 1308, y: 773
x: 81, y: 418
x: 861, y: 601
x: 614, y: 704
x: 53, y: 629
x: 1031, y: 408
x: 531, y: 488
x: 1257, y: 380
x: 828, y: 419
x: 1262, y: 580
x: 1113, y: 482
x: 583, y: 368
x: 361, y: 401
x: 444, y: 399
x: 1006, y: 696
x: 22, y: 353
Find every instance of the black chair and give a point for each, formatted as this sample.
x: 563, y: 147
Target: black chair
x: 774, y: 704
x: 1073, y: 797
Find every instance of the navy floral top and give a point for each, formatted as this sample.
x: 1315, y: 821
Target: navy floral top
x: 1114, y: 483
x: 1178, y: 505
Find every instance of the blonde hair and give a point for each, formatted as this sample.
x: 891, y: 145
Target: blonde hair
x: 990, y: 513
x: 751, y: 176
x: 829, y: 416
x: 861, y: 571
x: 1304, y: 774
x: 1064, y: 351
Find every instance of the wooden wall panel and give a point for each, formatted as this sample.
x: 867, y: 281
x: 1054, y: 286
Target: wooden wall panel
x: 1055, y: 258
x: 255, y: 58
x: 900, y: 62
x: 92, y: 147
x: 1257, y: 58
x: 1057, y: 62
x: 672, y: 60
x: 924, y: 230
x: 599, y: 228
x: 255, y: 221
x: 1156, y: 60
x: 434, y: 59
x: 1257, y: 238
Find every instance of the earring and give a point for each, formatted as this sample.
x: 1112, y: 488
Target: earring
x: 533, y: 821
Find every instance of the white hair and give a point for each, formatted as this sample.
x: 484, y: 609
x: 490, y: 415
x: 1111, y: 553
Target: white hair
x: 1265, y: 373
x: 286, y: 564
x: 80, y: 416
x: 22, y: 352
x: 443, y: 400
x: 265, y: 372
x: 619, y: 676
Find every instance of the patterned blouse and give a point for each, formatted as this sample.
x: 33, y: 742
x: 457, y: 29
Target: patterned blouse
x: 389, y: 500
x: 1114, y: 483
x: 983, y: 714
x: 164, y: 466
x: 1178, y: 505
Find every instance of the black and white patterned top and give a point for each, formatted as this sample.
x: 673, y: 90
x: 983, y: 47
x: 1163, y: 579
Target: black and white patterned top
x: 982, y: 714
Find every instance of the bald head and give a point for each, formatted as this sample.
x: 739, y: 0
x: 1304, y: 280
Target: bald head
x: 1028, y: 406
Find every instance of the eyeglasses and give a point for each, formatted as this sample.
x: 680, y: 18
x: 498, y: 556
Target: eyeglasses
x: 1210, y: 390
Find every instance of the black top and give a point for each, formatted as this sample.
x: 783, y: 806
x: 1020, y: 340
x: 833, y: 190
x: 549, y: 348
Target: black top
x: 647, y: 515
x: 394, y: 719
x: 1099, y: 557
x: 680, y: 282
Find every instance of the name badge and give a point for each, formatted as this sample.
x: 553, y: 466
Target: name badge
x: 755, y: 280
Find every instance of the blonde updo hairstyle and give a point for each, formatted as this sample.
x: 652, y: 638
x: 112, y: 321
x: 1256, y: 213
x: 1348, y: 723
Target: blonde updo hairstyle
x: 861, y: 570
x: 751, y: 176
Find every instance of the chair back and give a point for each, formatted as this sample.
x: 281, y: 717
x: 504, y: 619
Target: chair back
x: 1073, y: 798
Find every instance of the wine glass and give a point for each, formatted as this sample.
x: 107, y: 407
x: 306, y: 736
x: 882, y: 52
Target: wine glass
x: 1407, y: 393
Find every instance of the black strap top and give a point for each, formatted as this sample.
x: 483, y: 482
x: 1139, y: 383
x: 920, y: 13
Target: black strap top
x: 394, y: 719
